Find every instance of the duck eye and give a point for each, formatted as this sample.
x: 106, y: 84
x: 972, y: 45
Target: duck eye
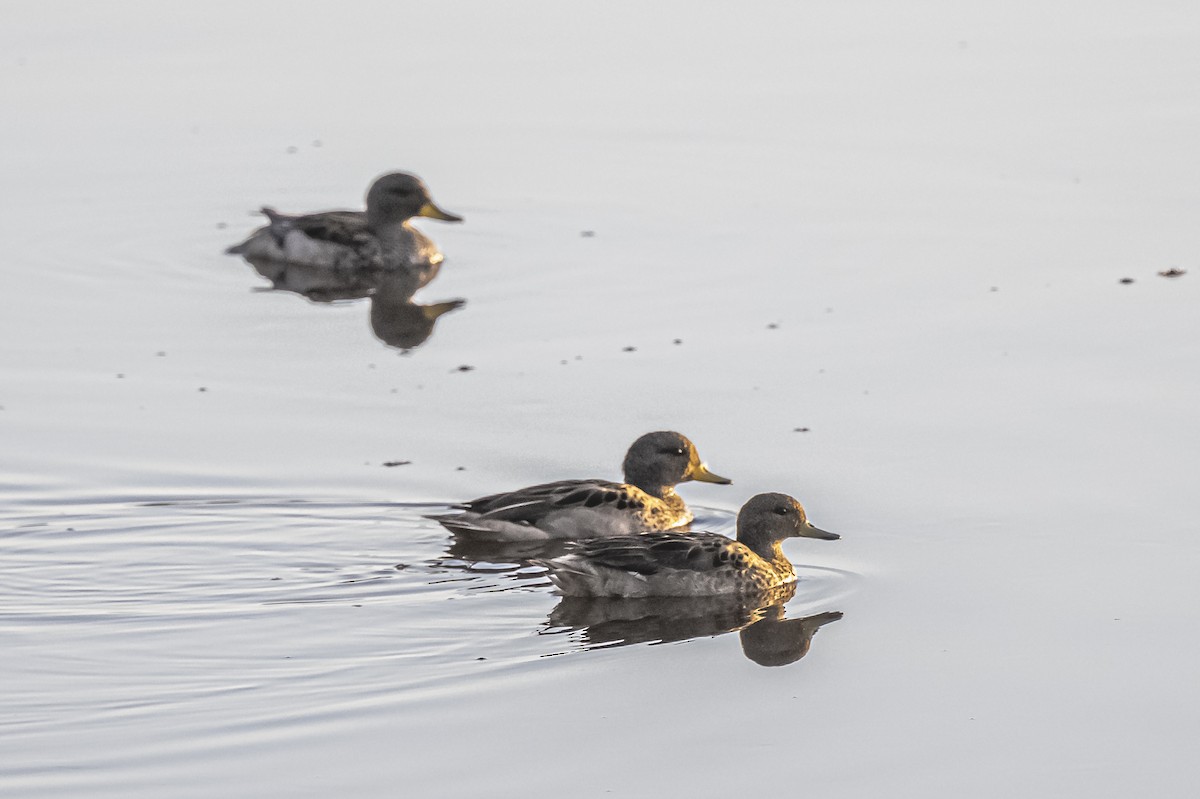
x: 782, y: 510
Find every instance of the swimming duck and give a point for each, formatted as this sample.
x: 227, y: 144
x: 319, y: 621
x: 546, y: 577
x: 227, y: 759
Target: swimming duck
x: 576, y: 509
x: 690, y: 564
x: 347, y: 242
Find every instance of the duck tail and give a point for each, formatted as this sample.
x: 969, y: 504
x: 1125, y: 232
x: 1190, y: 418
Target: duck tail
x: 572, y: 575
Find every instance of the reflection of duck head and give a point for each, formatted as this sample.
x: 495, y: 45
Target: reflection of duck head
x: 776, y: 641
x: 398, y: 321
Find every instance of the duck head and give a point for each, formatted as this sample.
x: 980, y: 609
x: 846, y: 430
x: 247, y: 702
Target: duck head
x: 398, y: 196
x: 770, y: 518
x: 662, y: 460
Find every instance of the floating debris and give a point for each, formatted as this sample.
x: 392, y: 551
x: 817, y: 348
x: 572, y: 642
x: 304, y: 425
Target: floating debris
x: 629, y: 349
x: 1172, y: 272
x: 677, y: 341
x: 202, y: 388
x: 396, y: 463
x: 587, y: 234
x: 465, y: 368
x: 1125, y: 281
x: 293, y: 149
x: 773, y: 326
x: 799, y: 429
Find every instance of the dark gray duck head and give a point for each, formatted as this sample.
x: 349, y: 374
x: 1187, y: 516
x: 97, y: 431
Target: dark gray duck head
x: 767, y: 519
x: 665, y: 459
x: 399, y: 196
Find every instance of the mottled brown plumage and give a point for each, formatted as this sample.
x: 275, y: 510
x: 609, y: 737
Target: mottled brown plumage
x: 685, y: 564
x: 580, y: 509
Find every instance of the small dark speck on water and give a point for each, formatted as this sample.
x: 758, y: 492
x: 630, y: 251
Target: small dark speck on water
x: 356, y: 606
x: 1172, y: 272
x: 316, y: 142
x: 222, y: 225
x: 579, y: 357
x: 120, y: 375
x: 396, y: 463
x: 370, y: 366
x: 202, y: 389
x: 562, y: 363
x: 677, y: 341
x: 460, y: 468
x: 1125, y: 281
x: 587, y: 234
x: 481, y: 658
x: 401, y: 566
x: 160, y: 354
x: 293, y: 149
x: 465, y: 368
x: 273, y: 579
x: 773, y: 326
x: 800, y: 430
x: 629, y: 349
x: 994, y: 288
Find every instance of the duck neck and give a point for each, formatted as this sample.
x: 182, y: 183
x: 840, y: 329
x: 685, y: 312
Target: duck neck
x: 384, y: 224
x: 770, y: 550
x: 766, y: 546
x: 665, y: 493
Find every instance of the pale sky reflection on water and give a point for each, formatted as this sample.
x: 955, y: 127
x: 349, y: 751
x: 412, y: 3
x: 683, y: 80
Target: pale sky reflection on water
x: 900, y: 227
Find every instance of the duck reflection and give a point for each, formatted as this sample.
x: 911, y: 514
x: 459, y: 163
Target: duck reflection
x: 395, y: 319
x: 470, y: 549
x: 768, y: 638
x: 351, y: 255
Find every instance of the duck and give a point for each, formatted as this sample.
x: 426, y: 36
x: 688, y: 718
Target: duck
x: 690, y: 563
x: 348, y: 243
x: 580, y: 509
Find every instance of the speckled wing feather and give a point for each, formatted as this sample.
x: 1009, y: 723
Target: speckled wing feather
x: 348, y: 228
x: 650, y: 553
x: 530, y: 504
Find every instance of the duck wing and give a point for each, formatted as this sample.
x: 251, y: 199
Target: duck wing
x: 532, y: 503
x: 347, y: 228
x: 650, y: 553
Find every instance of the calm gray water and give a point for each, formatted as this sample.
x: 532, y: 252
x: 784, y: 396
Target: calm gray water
x: 864, y: 254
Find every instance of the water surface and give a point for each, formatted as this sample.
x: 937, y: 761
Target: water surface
x: 864, y: 254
